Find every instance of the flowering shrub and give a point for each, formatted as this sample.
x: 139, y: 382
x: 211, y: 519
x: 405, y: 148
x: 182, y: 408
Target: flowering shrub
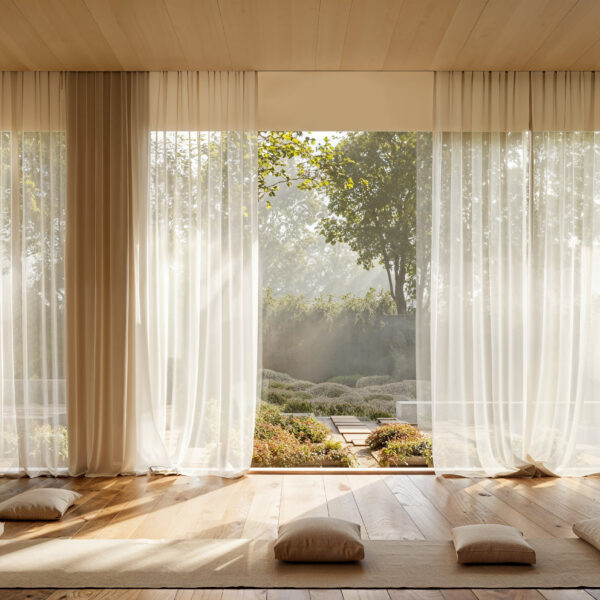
x: 308, y: 429
x: 287, y: 441
x: 395, y: 454
x: 396, y: 432
x: 397, y: 442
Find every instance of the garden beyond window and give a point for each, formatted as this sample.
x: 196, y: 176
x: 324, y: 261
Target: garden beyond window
x: 338, y: 229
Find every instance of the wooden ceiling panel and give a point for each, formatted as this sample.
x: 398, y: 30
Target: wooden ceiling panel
x: 457, y: 33
x: 420, y: 27
x: 333, y: 21
x: 200, y: 32
x: 508, y: 32
x: 277, y: 34
x: 140, y: 32
x: 9, y: 61
x: 22, y: 41
x: 576, y: 34
x: 589, y: 60
x: 300, y: 34
x: 70, y: 32
x: 287, y: 34
x: 241, y: 26
x: 369, y: 33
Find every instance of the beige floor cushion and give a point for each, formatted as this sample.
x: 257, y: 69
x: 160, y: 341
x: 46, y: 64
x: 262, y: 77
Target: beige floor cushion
x: 491, y: 544
x: 43, y: 504
x: 319, y: 539
x: 589, y: 531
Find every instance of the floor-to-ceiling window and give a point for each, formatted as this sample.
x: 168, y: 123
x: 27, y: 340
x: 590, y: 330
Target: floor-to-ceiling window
x: 33, y: 435
x: 337, y: 230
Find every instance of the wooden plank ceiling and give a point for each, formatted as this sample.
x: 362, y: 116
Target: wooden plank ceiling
x: 299, y: 34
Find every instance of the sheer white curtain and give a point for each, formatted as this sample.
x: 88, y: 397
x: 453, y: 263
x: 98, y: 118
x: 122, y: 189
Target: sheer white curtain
x: 564, y: 313
x: 197, y: 340
x: 564, y: 434
x: 479, y: 301
x: 33, y: 435
x: 514, y: 269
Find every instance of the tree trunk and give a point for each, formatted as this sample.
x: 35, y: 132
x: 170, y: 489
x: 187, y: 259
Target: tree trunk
x: 398, y: 295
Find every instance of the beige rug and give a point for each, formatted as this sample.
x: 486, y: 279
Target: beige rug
x: 63, y: 563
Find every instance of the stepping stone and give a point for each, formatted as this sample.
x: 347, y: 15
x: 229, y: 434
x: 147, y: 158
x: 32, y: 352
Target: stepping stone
x: 356, y: 439
x: 353, y: 430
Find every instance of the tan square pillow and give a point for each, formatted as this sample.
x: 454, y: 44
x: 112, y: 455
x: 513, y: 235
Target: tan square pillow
x: 43, y: 504
x: 589, y: 531
x: 319, y: 539
x: 491, y: 544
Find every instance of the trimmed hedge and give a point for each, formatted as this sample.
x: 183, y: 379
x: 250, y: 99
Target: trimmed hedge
x: 325, y: 339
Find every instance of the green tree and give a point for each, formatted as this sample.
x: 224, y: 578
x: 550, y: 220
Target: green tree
x: 295, y: 257
x: 371, y: 185
x: 276, y: 149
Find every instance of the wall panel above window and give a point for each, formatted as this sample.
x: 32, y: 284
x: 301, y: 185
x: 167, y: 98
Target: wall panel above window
x: 341, y: 101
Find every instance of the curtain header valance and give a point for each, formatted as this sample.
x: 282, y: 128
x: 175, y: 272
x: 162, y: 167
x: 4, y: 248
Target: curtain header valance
x: 481, y: 101
x: 565, y: 101
x: 202, y: 101
x: 516, y: 101
x: 415, y: 101
x: 32, y: 101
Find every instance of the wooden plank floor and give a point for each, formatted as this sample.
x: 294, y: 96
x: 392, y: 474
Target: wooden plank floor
x: 402, y: 507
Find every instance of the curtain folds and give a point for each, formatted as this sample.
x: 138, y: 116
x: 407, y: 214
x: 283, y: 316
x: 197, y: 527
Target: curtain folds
x: 481, y: 101
x: 514, y: 264
x: 107, y: 133
x: 564, y: 313
x: 128, y: 252
x: 565, y: 101
x: 128, y: 249
x: 32, y: 285
x: 197, y: 337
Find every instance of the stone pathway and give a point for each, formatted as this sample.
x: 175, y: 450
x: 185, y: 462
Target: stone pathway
x: 353, y: 433
x: 353, y: 430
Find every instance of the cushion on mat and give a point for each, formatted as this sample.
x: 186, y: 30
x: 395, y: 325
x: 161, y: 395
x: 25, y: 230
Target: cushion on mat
x: 44, y: 504
x: 491, y: 544
x: 589, y: 531
x: 319, y: 539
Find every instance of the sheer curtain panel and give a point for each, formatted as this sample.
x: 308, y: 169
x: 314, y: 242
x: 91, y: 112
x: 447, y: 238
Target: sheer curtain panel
x: 33, y: 434
x: 197, y: 338
x: 479, y: 237
x: 514, y: 274
x: 107, y: 133
x: 564, y: 314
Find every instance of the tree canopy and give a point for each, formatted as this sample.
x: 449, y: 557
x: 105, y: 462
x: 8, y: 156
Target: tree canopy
x: 371, y: 185
x: 278, y: 149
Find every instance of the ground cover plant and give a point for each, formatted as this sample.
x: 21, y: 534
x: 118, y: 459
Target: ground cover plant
x: 370, y: 397
x: 282, y: 440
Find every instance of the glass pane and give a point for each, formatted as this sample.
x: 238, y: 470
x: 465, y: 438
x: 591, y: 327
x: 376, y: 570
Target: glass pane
x: 338, y: 236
